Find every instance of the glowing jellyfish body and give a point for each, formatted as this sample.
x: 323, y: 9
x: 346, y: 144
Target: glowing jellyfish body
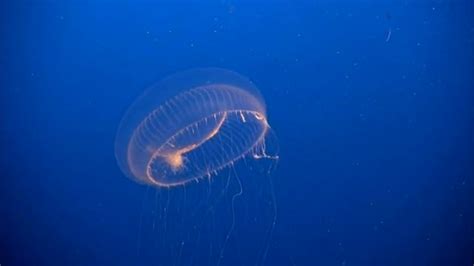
x: 190, y: 126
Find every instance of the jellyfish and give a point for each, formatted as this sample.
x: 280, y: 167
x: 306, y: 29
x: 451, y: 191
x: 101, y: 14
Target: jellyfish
x: 190, y: 126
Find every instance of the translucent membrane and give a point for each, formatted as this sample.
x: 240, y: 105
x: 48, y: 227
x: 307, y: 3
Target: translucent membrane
x: 190, y: 126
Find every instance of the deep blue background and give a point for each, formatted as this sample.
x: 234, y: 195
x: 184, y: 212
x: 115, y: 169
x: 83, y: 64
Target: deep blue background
x: 376, y: 135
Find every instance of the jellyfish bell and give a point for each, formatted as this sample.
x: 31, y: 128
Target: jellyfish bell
x: 190, y: 126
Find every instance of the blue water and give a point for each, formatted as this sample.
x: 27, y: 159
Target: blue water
x: 371, y: 101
